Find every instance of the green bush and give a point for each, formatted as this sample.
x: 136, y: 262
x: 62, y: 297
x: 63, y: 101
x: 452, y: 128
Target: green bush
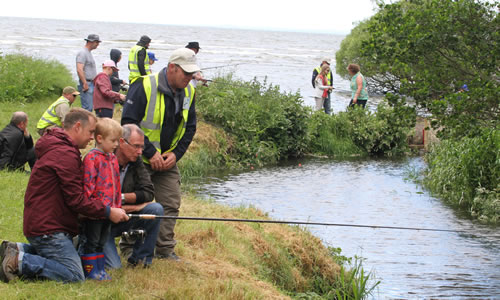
x: 267, y: 125
x: 25, y: 78
x: 386, y: 131
x: 331, y: 135
x: 465, y: 173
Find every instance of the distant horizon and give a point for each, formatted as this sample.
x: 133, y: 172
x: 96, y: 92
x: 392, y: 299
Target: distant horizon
x: 197, y: 25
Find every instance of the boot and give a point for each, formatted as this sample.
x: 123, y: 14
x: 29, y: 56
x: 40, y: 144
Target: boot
x: 91, y: 266
x: 101, y: 262
x: 9, y: 265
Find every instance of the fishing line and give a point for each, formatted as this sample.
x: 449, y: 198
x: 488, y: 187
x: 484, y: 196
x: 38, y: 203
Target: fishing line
x: 145, y: 216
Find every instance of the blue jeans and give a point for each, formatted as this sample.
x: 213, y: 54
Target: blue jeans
x: 327, y: 105
x: 51, y: 256
x: 86, y: 97
x: 142, y: 251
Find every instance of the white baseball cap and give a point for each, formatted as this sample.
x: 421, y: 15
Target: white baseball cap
x: 184, y: 58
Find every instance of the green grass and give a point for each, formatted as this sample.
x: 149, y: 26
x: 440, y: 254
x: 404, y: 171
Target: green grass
x: 26, y: 78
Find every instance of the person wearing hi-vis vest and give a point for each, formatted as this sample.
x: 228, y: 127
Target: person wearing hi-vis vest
x: 163, y: 106
x: 138, y: 59
x: 54, y: 115
x: 327, y: 104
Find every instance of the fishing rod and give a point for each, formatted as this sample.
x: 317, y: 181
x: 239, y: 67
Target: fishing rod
x: 225, y: 83
x: 146, y: 216
x: 223, y: 66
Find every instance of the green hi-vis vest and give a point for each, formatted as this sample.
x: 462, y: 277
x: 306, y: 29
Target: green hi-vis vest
x: 49, y: 117
x: 155, y: 113
x: 328, y: 76
x: 133, y: 66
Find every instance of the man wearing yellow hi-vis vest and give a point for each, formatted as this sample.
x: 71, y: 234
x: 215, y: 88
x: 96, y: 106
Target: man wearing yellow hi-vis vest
x: 54, y: 115
x: 138, y: 60
x: 163, y: 106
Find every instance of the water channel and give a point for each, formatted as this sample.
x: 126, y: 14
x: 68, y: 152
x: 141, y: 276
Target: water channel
x: 410, y: 264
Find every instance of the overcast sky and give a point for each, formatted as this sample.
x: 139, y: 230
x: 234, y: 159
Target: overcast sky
x: 294, y: 15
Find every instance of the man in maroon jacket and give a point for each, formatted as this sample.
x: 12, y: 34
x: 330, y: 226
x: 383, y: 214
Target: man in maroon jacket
x: 54, y: 197
x: 104, y: 96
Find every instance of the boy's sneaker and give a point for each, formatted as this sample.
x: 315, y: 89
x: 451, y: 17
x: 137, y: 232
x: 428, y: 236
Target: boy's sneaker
x: 9, y: 264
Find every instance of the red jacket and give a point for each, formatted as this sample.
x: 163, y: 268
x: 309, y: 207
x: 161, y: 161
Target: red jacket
x: 54, y: 196
x: 101, y: 181
x: 104, y: 97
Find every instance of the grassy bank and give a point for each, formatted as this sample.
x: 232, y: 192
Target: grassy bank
x: 465, y: 173
x: 220, y: 260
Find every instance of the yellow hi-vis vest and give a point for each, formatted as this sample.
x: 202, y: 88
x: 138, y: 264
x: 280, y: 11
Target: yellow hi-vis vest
x: 133, y: 65
x: 328, y: 76
x: 49, y: 117
x: 155, y: 113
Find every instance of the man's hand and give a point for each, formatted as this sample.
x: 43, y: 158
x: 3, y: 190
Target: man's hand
x: 122, y: 97
x: 170, y: 160
x: 117, y: 215
x: 157, y: 162
x: 85, y: 87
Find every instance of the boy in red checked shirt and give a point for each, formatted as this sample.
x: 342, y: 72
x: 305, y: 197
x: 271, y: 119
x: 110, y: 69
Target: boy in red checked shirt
x: 101, y: 183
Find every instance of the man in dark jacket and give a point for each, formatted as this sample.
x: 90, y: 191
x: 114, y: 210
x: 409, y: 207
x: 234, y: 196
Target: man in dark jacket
x: 169, y: 125
x: 137, y: 194
x: 116, y: 82
x: 138, y: 59
x: 54, y: 197
x: 16, y: 144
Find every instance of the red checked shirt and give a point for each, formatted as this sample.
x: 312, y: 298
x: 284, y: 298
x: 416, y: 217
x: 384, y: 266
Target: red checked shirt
x: 102, y: 178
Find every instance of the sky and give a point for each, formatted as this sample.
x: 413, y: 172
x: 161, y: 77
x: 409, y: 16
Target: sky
x: 333, y: 16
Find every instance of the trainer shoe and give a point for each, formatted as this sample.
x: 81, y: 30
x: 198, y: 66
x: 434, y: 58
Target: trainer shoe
x: 10, y: 265
x: 170, y: 256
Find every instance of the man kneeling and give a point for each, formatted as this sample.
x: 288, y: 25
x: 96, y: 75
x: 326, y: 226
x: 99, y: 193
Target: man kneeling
x: 137, y: 194
x: 54, y: 197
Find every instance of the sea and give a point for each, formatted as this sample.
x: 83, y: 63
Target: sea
x: 284, y: 59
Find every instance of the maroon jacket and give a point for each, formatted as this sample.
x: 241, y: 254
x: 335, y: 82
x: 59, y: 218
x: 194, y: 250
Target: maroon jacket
x: 104, y: 97
x: 54, y: 195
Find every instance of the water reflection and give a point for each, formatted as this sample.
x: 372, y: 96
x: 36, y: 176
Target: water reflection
x: 411, y: 264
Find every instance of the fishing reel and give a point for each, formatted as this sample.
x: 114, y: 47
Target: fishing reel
x: 134, y: 234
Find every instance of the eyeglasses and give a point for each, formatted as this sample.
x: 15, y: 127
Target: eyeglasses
x: 137, y: 147
x: 185, y: 73
x: 75, y: 95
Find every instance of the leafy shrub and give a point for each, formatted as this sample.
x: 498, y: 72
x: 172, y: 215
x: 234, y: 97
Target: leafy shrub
x: 331, y: 135
x: 267, y: 125
x: 465, y: 173
x: 384, y: 132
x: 25, y: 78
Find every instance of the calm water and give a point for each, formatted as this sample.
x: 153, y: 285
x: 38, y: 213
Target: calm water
x: 410, y: 264
x: 286, y: 58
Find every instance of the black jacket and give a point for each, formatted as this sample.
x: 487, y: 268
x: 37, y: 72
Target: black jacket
x: 137, y: 181
x: 115, y: 77
x: 14, y: 147
x: 135, y: 107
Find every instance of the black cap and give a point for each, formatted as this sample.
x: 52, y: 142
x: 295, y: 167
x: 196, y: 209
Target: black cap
x: 145, y: 39
x: 93, y: 38
x: 193, y: 45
